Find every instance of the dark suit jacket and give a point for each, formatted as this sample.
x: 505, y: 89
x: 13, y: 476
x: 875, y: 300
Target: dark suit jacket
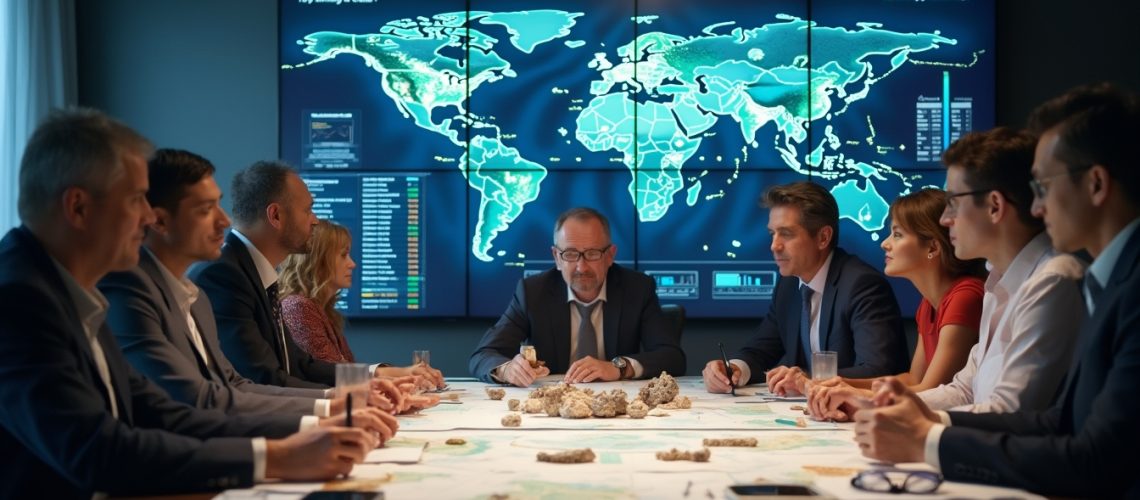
x: 155, y: 338
x: 858, y: 318
x: 1085, y: 444
x: 58, y: 436
x: 245, y: 323
x: 633, y: 325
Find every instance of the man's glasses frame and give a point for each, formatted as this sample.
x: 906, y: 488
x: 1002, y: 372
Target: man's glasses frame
x: 1041, y: 189
x: 590, y: 254
x: 914, y: 482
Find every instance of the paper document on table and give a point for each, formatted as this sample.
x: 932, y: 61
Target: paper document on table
x: 396, y: 455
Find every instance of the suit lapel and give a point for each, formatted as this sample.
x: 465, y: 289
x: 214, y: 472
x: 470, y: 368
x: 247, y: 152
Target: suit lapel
x: 120, y: 382
x: 611, y: 314
x: 181, y: 335
x: 559, y: 322
x: 245, y: 263
x: 48, y: 270
x: 1092, y: 327
x: 828, y: 304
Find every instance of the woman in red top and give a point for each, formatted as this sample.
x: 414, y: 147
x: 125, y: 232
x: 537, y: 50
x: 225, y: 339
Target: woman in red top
x: 919, y: 249
x: 310, y: 285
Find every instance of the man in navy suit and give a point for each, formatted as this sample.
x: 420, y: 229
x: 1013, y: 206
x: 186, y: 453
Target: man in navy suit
x: 587, y: 318
x: 273, y: 217
x: 825, y: 300
x: 1087, y: 189
x: 75, y: 418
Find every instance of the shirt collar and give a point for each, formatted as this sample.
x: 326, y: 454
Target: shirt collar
x: 90, y: 304
x: 570, y: 297
x: 184, y: 290
x: 819, y: 281
x: 265, y: 270
x: 1102, y: 267
x: 1023, y: 264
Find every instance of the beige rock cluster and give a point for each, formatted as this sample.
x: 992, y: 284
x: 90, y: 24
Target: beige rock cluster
x: 495, y: 393
x: 567, y: 401
x: 582, y: 456
x: 701, y: 455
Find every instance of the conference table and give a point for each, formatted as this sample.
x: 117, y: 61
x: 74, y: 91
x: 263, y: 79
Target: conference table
x: 494, y: 461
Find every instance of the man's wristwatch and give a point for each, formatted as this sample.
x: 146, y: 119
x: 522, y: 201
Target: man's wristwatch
x: 621, y: 365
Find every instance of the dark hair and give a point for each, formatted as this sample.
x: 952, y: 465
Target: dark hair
x: 583, y: 214
x: 817, y: 206
x: 79, y: 147
x: 1096, y: 125
x: 256, y: 187
x: 170, y: 172
x: 1001, y: 160
x: 919, y: 213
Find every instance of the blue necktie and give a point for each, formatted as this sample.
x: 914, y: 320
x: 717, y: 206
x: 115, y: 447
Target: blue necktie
x: 805, y: 324
x: 1093, y: 291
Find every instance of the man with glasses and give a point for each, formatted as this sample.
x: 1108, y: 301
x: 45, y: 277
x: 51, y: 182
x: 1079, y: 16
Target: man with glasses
x: 1088, y: 193
x: 587, y: 318
x: 826, y: 300
x: 1025, y: 338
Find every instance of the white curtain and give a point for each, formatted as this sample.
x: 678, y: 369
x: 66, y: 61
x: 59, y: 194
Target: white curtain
x: 37, y: 74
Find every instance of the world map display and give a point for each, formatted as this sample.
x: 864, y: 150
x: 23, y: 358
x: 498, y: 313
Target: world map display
x: 672, y: 117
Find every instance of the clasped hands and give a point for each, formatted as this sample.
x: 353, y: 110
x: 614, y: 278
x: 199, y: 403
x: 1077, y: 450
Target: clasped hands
x: 520, y: 373
x: 891, y: 421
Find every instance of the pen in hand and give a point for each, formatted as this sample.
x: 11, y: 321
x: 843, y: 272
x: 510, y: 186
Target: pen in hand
x: 727, y: 368
x: 348, y: 410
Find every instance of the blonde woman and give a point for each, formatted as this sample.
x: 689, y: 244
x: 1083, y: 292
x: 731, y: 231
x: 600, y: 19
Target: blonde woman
x: 310, y: 285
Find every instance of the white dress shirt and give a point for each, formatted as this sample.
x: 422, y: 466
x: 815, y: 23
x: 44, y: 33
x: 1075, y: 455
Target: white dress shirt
x: 268, y: 275
x: 818, y: 285
x: 92, y: 309
x: 185, y: 295
x: 1025, y: 343
x: 1026, y: 335
x: 597, y: 317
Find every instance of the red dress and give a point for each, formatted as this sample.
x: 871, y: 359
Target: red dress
x: 312, y: 330
x: 962, y: 305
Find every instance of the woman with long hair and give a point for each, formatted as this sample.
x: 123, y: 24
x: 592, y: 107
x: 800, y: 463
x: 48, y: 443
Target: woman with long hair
x: 311, y: 284
x: 919, y: 249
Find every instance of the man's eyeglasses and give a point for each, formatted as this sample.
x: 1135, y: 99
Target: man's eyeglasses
x: 952, y: 200
x: 897, y: 481
x: 573, y: 255
x: 1041, y: 189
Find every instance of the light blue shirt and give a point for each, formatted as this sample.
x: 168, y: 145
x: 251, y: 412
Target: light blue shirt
x: 1102, y: 267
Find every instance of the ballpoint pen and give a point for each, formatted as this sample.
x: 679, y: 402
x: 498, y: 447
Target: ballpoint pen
x: 727, y: 368
x: 348, y: 411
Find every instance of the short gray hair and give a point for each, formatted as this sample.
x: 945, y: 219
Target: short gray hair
x: 78, y: 147
x: 582, y: 214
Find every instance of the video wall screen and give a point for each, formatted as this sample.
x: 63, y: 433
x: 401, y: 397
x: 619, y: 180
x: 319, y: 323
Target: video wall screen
x: 448, y: 135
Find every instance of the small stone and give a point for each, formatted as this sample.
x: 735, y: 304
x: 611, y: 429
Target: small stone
x: 512, y: 420
x: 637, y: 409
x: 513, y: 404
x: 456, y: 441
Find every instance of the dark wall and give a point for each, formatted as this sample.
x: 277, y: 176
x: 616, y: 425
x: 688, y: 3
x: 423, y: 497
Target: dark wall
x: 202, y: 76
